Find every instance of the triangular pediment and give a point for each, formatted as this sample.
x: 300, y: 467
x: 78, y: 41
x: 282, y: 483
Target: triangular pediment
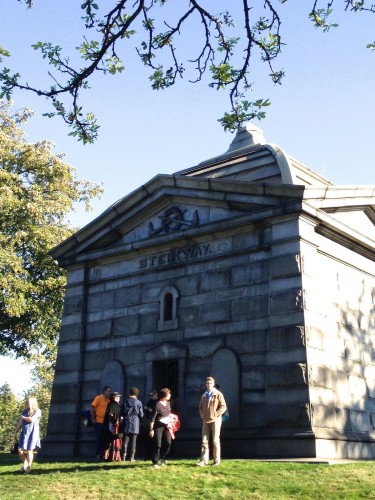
x: 170, y: 207
x: 352, y: 206
x: 361, y: 220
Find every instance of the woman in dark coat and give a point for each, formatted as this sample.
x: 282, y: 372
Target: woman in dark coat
x: 131, y: 413
x: 111, y: 440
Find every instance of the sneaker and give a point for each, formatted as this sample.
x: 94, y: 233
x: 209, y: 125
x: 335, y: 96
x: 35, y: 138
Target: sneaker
x: 162, y: 462
x: 201, y: 464
x: 132, y: 459
x: 215, y: 464
x: 155, y: 466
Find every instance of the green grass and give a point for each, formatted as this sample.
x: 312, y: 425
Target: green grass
x: 234, y: 479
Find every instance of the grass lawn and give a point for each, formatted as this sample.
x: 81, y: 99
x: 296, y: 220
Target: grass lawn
x: 180, y: 479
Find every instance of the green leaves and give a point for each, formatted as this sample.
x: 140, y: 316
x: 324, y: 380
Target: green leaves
x: 320, y: 19
x: 37, y: 192
x: 8, y: 82
x: 242, y: 112
x: 109, y: 26
x: 161, y: 79
x: 223, y: 74
x: 52, y: 52
x: 4, y: 52
x: 89, y: 50
x: 114, y: 65
x: 10, y: 408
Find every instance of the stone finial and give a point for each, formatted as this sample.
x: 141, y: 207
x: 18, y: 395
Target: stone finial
x: 246, y: 136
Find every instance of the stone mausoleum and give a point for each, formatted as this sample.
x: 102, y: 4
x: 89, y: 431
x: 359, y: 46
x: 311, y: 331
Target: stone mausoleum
x: 249, y: 267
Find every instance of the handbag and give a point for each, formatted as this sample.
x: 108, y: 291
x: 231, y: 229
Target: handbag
x: 14, y: 449
x: 86, y: 418
x: 225, y: 416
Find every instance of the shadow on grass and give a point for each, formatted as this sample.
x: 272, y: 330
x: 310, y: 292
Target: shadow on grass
x: 56, y: 466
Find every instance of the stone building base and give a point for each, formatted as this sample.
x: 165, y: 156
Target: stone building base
x: 187, y: 445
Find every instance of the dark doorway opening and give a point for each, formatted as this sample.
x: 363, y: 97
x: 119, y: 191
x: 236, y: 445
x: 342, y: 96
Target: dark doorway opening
x: 165, y: 374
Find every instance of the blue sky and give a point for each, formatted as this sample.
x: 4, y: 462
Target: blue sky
x: 323, y: 114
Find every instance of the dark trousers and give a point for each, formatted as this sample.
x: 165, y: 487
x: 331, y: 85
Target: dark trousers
x: 162, y: 443
x: 98, y: 438
x: 133, y: 443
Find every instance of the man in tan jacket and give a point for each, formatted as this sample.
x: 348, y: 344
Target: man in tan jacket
x: 211, y: 407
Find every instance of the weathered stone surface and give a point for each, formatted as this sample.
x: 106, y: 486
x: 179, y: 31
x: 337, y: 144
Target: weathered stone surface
x: 254, y: 379
x: 324, y: 416
x: 97, y: 359
x: 128, y: 296
x: 358, y: 386
x: 246, y: 240
x: 205, y: 347
x: 320, y: 376
x: 98, y: 329
x: 286, y: 337
x: 76, y: 276
x: 127, y: 325
x: 64, y: 392
x: 287, y: 415
x: 70, y: 332
x: 254, y: 342
x: 188, y: 316
x: 214, y: 280
x: 285, y: 229
x: 250, y: 308
x: 285, y: 265
x: 250, y: 273
x: 100, y: 301
x: 214, y: 313
x: 343, y: 421
x: 361, y: 421
x: 289, y: 300
x: 253, y: 415
x: 72, y: 304
x: 149, y: 323
x: 61, y: 423
x: 286, y: 376
x: 89, y: 391
x: 68, y: 362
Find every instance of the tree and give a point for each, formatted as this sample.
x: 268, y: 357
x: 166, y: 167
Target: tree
x: 10, y: 411
x: 224, y: 52
x: 37, y: 191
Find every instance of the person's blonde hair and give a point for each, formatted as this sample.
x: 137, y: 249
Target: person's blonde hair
x: 210, y: 379
x: 33, y: 405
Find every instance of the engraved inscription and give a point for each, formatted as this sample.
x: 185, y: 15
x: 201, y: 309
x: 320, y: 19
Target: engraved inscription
x: 184, y: 254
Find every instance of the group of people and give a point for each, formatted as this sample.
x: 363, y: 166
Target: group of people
x: 117, y: 426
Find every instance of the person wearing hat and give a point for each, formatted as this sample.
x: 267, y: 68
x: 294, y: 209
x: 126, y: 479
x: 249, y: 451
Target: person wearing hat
x: 131, y: 413
x: 111, y: 437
